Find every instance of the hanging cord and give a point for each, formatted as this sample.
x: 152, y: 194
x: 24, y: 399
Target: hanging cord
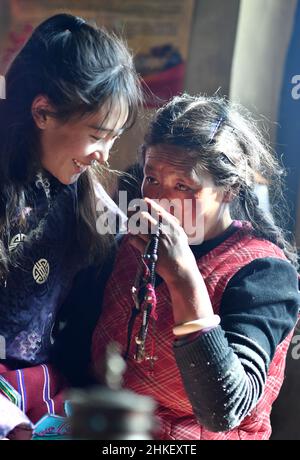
x: 143, y: 293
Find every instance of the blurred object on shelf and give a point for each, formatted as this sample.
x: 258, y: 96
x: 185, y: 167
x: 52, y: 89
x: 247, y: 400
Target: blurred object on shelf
x: 109, y: 413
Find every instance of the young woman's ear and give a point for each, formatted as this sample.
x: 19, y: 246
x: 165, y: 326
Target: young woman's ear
x: 40, y: 110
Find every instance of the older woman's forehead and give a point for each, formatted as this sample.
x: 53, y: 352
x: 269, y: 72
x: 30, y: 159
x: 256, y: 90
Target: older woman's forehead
x: 175, y: 161
x: 170, y: 155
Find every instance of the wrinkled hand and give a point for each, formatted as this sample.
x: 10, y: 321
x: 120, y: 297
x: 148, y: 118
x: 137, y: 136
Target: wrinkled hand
x: 22, y: 432
x: 175, y: 258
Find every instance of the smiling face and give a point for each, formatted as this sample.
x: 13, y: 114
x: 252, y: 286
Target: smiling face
x: 67, y: 149
x: 169, y: 174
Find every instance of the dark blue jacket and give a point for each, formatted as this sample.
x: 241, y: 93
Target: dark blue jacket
x: 44, y: 263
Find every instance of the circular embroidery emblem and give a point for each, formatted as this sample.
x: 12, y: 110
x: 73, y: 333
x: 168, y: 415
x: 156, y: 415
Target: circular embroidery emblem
x: 15, y: 241
x: 41, y: 271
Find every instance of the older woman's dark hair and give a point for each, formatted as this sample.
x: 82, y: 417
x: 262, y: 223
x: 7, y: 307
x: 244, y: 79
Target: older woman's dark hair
x: 226, y: 142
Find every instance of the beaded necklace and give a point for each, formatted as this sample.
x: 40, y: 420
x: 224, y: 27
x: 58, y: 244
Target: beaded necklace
x: 143, y: 294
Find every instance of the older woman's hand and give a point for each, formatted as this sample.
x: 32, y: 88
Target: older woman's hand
x: 175, y: 258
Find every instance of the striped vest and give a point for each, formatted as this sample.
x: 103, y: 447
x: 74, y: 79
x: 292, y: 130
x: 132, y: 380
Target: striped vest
x: 163, y: 381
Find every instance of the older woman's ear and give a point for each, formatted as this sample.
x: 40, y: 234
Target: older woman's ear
x: 229, y: 195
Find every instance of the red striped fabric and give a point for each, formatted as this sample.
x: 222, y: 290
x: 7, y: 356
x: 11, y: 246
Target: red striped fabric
x: 41, y: 389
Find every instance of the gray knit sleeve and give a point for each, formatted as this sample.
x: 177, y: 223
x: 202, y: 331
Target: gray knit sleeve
x: 224, y: 370
x: 222, y: 382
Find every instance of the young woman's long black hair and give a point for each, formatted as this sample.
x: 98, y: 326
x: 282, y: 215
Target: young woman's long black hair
x: 78, y: 67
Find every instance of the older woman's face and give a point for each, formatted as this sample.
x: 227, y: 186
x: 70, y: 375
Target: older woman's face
x: 170, y: 177
x: 68, y: 149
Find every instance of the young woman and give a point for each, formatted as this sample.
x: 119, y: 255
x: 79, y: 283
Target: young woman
x: 70, y: 92
x: 211, y: 350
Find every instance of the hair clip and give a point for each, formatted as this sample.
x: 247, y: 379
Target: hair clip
x: 214, y: 130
